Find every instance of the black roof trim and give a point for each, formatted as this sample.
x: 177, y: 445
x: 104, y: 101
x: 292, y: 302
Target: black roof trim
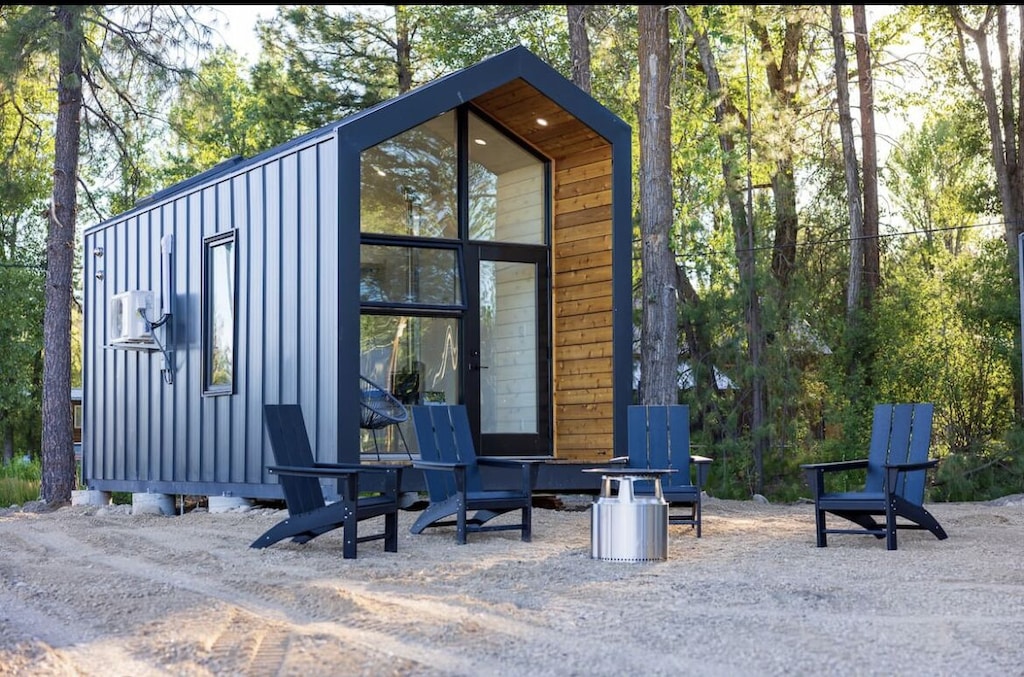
x: 387, y: 118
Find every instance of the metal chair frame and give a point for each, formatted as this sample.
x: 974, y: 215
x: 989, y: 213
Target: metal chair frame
x: 378, y: 409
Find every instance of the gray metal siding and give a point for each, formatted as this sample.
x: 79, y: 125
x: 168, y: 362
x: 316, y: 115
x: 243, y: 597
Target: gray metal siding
x: 142, y: 434
x: 326, y: 399
x: 251, y: 322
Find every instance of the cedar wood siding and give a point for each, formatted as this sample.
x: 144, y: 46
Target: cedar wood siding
x: 581, y: 247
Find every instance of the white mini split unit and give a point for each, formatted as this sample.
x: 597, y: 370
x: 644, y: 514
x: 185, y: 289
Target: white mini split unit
x: 128, y: 329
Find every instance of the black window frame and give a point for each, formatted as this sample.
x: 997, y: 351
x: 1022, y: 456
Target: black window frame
x: 407, y: 307
x: 209, y: 244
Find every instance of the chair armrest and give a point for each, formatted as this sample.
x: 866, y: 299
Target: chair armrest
x: 357, y: 467
x: 529, y: 468
x: 907, y: 467
x: 436, y: 465
x: 506, y: 461
x: 703, y: 464
x: 835, y: 465
x: 313, y: 471
x: 457, y: 469
x: 894, y: 470
x: 347, y: 473
x: 816, y: 472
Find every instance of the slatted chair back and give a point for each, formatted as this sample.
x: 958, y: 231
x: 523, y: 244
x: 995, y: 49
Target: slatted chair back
x: 659, y: 437
x: 286, y: 429
x: 900, y: 433
x: 443, y: 434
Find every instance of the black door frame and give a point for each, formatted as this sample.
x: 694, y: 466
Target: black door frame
x: 507, y: 444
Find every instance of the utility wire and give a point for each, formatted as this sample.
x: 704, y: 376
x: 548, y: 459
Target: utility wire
x: 926, y: 231
x: 843, y: 240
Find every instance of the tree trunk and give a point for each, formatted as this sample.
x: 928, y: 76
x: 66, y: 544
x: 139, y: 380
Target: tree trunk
x: 579, y: 45
x: 403, y: 49
x: 743, y: 233
x: 783, y: 78
x: 1004, y: 111
x: 869, y: 161
x: 58, y: 447
x: 8, y: 448
x: 856, y: 271
x: 659, y: 344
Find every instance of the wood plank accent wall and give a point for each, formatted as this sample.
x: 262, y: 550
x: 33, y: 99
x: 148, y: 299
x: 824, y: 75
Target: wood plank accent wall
x: 582, y: 266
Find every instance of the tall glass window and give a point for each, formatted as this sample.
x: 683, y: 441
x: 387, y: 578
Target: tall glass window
x: 445, y: 293
x: 506, y: 188
x: 408, y: 182
x: 219, y: 314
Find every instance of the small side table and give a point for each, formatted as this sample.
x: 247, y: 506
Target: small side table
x: 625, y: 527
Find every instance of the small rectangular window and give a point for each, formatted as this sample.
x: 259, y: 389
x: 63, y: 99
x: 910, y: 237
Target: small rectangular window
x: 410, y: 276
x: 219, y: 300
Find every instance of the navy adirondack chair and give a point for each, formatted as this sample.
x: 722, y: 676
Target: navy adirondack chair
x: 659, y: 437
x: 894, y: 487
x: 309, y: 515
x: 455, y: 484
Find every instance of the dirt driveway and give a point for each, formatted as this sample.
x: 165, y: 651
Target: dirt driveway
x: 98, y: 591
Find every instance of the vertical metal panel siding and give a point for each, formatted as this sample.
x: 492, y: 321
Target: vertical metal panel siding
x: 92, y: 342
x: 253, y: 328
x: 194, y: 365
x: 142, y: 431
x: 271, y: 311
x: 327, y: 298
x: 128, y: 265
x: 186, y: 329
x: 347, y: 301
x: 165, y: 435
x: 148, y: 364
x: 307, y: 301
x: 103, y: 393
x: 209, y: 406
x: 124, y: 371
x: 290, y: 289
x: 238, y: 447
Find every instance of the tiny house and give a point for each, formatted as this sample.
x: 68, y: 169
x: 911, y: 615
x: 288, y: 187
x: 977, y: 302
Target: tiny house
x: 466, y: 242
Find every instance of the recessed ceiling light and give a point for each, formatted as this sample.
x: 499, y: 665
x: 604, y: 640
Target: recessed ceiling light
x: 542, y: 122
x: 480, y: 142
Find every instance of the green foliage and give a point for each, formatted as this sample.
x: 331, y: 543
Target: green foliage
x: 17, y: 492
x: 22, y: 468
x: 456, y: 36
x: 939, y: 178
x: 213, y: 119
x: 992, y: 472
x: 21, y: 335
x: 19, y: 482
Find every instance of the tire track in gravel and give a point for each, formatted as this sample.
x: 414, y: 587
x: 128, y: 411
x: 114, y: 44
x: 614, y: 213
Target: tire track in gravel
x: 465, y: 636
x: 390, y: 623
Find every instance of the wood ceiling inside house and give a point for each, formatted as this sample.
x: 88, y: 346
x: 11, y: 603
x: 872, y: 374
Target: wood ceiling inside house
x: 518, y: 106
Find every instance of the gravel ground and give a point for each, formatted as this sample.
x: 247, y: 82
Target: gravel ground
x: 98, y: 591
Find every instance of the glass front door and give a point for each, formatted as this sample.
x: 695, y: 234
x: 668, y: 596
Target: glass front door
x: 507, y: 350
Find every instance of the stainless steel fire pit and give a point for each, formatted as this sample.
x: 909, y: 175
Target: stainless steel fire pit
x: 625, y: 527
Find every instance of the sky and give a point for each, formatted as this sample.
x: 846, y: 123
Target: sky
x: 236, y: 24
